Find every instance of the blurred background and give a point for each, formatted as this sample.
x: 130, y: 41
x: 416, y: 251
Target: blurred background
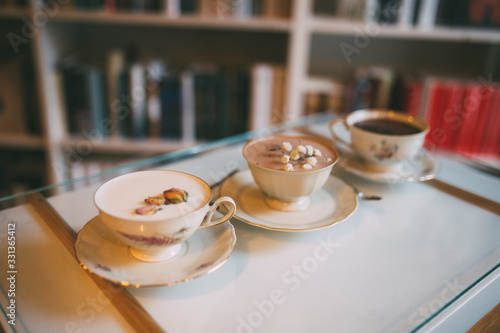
x: 88, y: 85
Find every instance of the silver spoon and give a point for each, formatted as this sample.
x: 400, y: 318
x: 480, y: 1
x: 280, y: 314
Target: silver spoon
x: 214, y: 185
x: 361, y: 195
x: 217, y: 184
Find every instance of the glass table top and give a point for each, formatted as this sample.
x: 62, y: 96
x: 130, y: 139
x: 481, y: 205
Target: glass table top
x: 411, y: 262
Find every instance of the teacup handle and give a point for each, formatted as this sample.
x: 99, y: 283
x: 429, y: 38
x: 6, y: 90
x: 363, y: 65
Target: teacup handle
x: 335, y: 136
x: 207, y: 221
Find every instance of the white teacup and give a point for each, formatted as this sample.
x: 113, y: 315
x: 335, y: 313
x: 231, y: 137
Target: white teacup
x: 157, y: 235
x: 384, y: 139
x: 288, y: 190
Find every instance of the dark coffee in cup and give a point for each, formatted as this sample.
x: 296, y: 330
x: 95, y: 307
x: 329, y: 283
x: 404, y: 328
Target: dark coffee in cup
x: 387, y: 127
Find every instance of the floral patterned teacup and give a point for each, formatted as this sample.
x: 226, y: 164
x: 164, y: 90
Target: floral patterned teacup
x: 155, y: 211
x: 384, y: 139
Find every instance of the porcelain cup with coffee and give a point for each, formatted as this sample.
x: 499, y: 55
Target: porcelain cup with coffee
x: 288, y: 169
x: 155, y: 211
x: 384, y: 139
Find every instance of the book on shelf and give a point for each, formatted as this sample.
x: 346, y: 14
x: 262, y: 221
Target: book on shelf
x: 427, y: 14
x: 115, y: 71
x: 83, y: 97
x: 406, y: 13
x: 470, y: 116
x: 207, y: 8
x: 239, y: 84
x: 223, y: 110
x: 454, y: 95
x: 14, y: 4
x: 171, y: 108
x: 411, y: 96
x: 110, y: 6
x: 220, y: 9
x: 12, y: 106
x: 261, y: 96
x: 485, y: 100
x: 204, y: 101
x: 220, y: 99
x: 138, y: 101
x: 18, y: 97
x: 267, y: 95
x: 435, y: 103
x: 172, y: 8
x: 243, y: 9
x: 154, y: 74
x: 325, y: 8
x: 421, y: 14
x: 490, y: 141
x: 278, y: 105
x: 226, y: 8
x: 187, y: 7
x: 276, y: 9
x: 468, y: 13
x: 323, y: 95
x: 188, y: 106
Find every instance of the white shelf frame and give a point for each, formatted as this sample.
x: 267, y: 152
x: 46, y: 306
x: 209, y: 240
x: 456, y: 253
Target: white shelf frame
x: 125, y: 146
x: 322, y: 25
x: 187, y: 21
x: 21, y: 141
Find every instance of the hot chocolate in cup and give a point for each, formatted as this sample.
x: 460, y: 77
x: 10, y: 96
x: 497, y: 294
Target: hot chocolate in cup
x: 155, y: 211
x: 384, y: 139
x: 288, y: 169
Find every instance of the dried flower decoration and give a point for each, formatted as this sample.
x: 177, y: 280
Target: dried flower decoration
x: 146, y: 210
x: 287, y: 146
x: 312, y: 161
x: 295, y: 154
x: 305, y: 155
x: 156, y: 201
x: 309, y: 150
x: 171, y: 196
x: 175, y: 196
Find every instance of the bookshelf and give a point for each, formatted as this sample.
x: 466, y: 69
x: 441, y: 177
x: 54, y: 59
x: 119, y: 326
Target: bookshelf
x: 299, y: 39
x: 325, y: 25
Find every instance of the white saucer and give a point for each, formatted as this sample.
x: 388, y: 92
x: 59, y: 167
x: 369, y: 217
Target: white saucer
x: 101, y: 253
x: 333, y: 203
x: 423, y: 167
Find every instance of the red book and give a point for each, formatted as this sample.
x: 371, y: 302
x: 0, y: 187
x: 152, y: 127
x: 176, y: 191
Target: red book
x: 490, y: 142
x: 486, y: 94
x: 470, y: 116
x: 452, y: 110
x: 110, y: 6
x: 434, y: 112
x: 412, y: 97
